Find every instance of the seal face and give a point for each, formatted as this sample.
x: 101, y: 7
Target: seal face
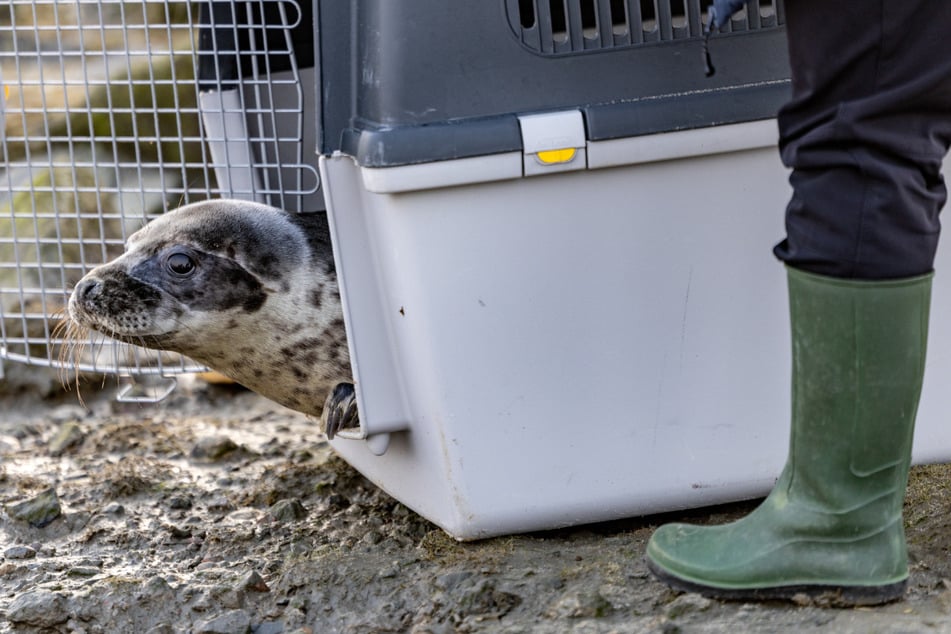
x: 246, y: 289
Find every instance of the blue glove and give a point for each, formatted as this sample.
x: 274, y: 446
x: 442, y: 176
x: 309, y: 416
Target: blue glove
x: 721, y: 10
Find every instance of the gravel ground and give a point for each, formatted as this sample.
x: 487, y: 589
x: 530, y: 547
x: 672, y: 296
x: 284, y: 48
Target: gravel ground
x: 217, y: 511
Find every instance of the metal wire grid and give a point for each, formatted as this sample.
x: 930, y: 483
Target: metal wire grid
x: 106, y: 124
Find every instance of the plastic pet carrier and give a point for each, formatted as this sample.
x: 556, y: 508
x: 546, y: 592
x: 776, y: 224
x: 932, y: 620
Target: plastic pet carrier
x: 554, y: 239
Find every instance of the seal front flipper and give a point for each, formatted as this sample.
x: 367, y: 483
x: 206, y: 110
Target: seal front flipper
x: 340, y: 410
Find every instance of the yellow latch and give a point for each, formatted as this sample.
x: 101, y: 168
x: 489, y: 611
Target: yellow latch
x: 553, y: 142
x: 551, y: 157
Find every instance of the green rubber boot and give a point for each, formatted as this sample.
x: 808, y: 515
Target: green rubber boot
x: 831, y: 529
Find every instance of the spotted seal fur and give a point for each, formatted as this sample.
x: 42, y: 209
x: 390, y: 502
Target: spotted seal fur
x: 246, y: 289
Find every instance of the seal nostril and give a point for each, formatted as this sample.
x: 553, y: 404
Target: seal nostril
x: 87, y: 289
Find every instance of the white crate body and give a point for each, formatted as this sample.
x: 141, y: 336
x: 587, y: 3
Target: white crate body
x: 578, y: 347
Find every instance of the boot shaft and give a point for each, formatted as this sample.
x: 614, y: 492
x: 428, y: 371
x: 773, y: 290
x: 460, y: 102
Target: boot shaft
x: 858, y: 363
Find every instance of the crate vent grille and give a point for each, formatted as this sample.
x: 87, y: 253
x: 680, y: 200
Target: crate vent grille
x: 555, y: 27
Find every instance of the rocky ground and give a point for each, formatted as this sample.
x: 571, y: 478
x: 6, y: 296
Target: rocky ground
x: 219, y: 512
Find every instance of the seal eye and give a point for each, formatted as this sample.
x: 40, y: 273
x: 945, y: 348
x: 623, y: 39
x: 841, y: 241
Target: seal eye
x: 180, y: 264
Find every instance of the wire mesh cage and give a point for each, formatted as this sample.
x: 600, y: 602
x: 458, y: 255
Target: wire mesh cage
x: 114, y: 111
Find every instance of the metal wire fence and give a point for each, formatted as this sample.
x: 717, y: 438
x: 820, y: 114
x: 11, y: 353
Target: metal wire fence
x: 114, y: 111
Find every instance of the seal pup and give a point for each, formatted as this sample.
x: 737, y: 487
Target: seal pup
x: 244, y: 288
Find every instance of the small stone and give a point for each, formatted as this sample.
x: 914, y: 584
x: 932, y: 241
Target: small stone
x: 213, y: 448
x: 163, y: 628
x: 19, y: 552
x: 38, y: 511
x: 246, y: 515
x: 581, y: 605
x: 39, y: 608
x: 484, y: 599
x: 270, y: 627
x: 213, y: 567
x: 287, y: 510
x: 687, y: 603
x: 82, y: 571
x: 69, y: 435
x: 219, y: 504
x: 337, y: 502
x: 231, y: 622
x: 113, y: 508
x: 253, y: 582
x: 451, y: 580
x: 177, y: 532
x: 230, y: 597
x: 157, y: 589
x: 371, y: 538
x: 180, y: 502
x: 77, y: 520
x: 22, y: 431
x: 620, y: 596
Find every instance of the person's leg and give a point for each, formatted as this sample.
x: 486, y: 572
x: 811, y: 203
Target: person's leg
x: 865, y: 134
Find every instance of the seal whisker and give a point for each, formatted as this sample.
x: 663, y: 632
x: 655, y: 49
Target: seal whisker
x: 61, y: 331
x: 68, y: 356
x: 78, y: 338
x: 152, y: 360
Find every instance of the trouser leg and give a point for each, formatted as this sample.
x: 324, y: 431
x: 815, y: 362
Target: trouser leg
x: 865, y: 134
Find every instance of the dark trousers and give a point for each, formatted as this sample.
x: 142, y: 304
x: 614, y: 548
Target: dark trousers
x: 865, y: 134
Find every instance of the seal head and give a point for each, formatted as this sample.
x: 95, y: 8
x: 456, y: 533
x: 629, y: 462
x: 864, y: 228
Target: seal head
x: 246, y: 289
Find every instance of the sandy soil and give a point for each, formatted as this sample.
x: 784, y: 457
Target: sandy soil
x: 218, y: 511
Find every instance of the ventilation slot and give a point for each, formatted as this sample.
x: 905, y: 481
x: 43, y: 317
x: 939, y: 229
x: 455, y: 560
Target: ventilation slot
x: 555, y: 27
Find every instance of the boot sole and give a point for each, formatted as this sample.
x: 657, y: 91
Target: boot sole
x: 824, y: 595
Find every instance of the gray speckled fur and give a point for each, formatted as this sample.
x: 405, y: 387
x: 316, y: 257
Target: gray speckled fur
x: 263, y: 307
